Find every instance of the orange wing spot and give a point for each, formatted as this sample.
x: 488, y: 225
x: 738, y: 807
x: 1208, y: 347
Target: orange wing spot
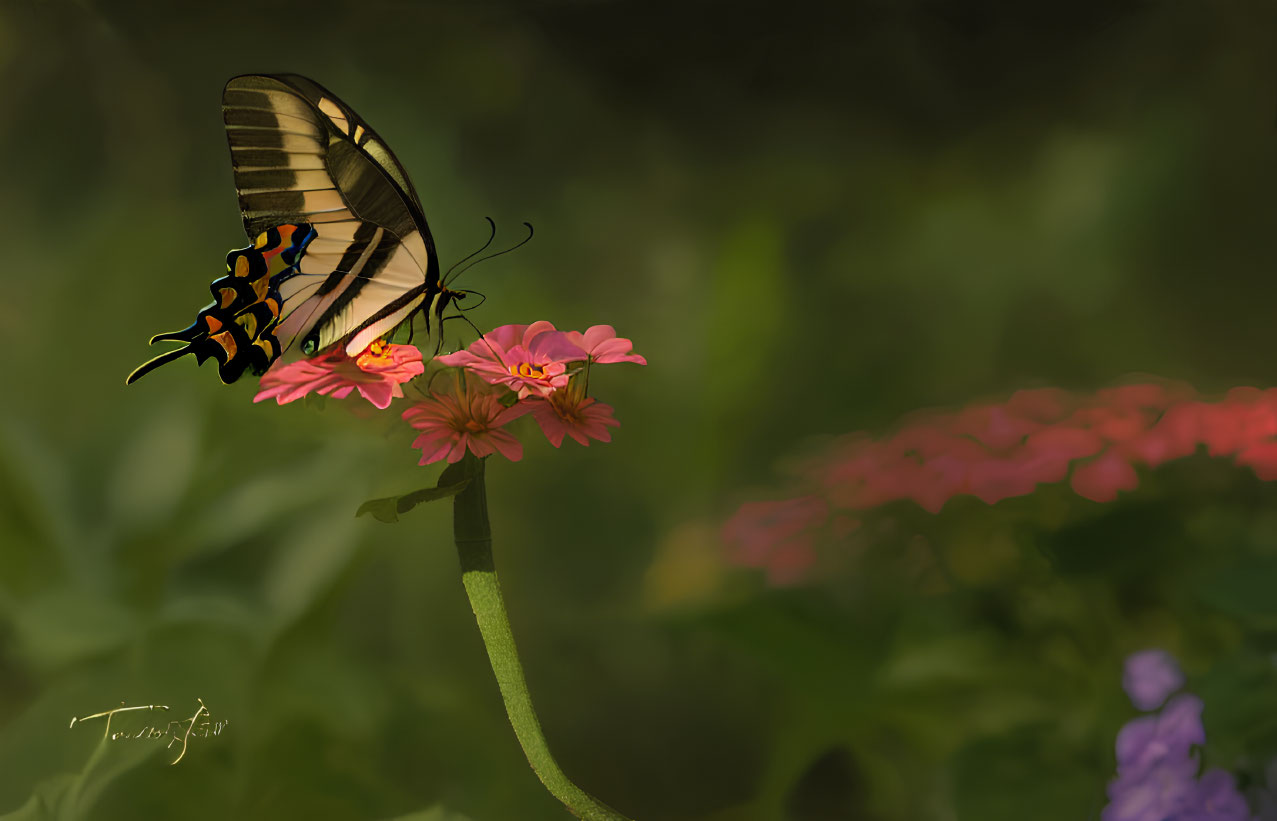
x: 241, y: 266
x: 249, y: 323
x: 274, y: 256
x: 260, y: 286
x: 228, y: 297
x: 260, y: 242
x: 227, y: 342
x: 285, y: 231
x: 214, y: 324
x: 273, y: 304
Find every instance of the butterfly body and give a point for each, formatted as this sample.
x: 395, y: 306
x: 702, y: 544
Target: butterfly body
x: 340, y: 254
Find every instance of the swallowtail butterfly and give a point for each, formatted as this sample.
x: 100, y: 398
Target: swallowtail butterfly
x: 340, y: 253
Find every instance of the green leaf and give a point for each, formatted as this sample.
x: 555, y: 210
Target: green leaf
x: 44, y: 801
x: 390, y: 508
x: 108, y: 762
x: 456, y: 472
x: 436, y: 813
x: 155, y: 469
x: 1244, y: 590
x: 67, y: 624
x: 306, y: 566
x: 998, y: 777
x: 73, y: 796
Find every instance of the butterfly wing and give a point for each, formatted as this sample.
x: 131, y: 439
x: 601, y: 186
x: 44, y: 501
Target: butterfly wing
x: 301, y: 155
x: 341, y: 253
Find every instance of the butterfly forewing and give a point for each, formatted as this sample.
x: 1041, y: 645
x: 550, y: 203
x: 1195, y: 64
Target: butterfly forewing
x: 372, y: 253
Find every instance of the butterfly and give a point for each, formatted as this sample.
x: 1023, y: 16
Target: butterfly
x: 340, y: 255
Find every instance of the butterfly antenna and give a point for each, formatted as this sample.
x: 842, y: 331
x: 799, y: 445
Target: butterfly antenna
x: 492, y: 234
x: 482, y: 299
x: 525, y: 241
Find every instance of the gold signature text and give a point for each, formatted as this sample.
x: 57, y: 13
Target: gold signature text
x: 176, y: 731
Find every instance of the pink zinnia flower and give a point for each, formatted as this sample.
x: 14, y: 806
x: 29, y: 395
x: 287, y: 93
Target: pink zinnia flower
x: 469, y: 418
x: 1101, y: 478
x: 993, y: 426
x: 377, y: 374
x: 529, y: 359
x: 571, y: 413
x: 1097, y: 442
x: 604, y: 347
x: 779, y: 536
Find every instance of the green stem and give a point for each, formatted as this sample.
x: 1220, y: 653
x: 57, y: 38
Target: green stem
x: 479, y: 575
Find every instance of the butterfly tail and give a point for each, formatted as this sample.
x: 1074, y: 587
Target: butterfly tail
x: 238, y: 328
x: 233, y: 348
x: 163, y: 359
x: 185, y: 335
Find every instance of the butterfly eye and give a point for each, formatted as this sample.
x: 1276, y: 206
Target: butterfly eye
x: 310, y: 344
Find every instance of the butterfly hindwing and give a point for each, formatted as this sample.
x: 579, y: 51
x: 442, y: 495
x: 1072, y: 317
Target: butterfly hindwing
x: 238, y: 329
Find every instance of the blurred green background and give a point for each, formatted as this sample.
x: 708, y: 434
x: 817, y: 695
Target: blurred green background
x: 812, y: 218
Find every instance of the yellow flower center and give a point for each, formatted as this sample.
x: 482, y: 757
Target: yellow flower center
x: 527, y: 371
x: 377, y: 355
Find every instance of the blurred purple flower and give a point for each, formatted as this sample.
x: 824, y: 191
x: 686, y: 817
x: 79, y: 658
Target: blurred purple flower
x: 1215, y: 798
x: 1156, y: 794
x: 1156, y: 770
x: 1149, y: 677
x: 1149, y: 742
x: 1156, y: 762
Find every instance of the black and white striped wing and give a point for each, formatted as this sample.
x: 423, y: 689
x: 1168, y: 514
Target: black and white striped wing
x: 301, y: 155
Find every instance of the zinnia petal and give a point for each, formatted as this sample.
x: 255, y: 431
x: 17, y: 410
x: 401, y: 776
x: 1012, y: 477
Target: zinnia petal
x: 377, y: 373
x: 602, y: 344
x: 470, y: 418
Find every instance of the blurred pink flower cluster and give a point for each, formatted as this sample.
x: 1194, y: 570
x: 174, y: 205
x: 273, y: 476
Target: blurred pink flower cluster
x: 777, y: 535
x: 998, y: 451
x: 507, y: 373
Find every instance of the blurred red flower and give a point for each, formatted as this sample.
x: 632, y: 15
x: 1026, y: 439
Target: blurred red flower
x: 999, y: 451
